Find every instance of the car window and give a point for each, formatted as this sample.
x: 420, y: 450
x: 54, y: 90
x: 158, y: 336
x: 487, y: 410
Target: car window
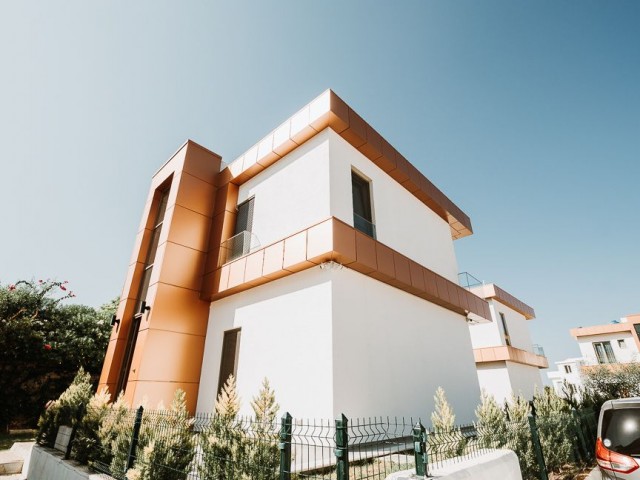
x: 621, y: 430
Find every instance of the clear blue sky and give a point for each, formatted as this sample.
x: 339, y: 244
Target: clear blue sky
x: 526, y: 114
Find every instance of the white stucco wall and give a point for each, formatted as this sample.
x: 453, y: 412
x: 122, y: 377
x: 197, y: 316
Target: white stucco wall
x: 560, y: 375
x: 392, y: 350
x: 337, y: 341
x: 402, y: 221
x: 291, y: 194
x: 623, y: 355
x: 285, y: 336
x: 502, y: 378
x: 494, y: 378
x: 524, y: 379
x: 491, y: 334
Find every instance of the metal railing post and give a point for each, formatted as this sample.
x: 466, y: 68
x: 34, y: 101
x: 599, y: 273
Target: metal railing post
x: 537, y: 448
x: 285, y: 447
x: 342, y: 448
x: 420, y: 448
x: 134, y: 439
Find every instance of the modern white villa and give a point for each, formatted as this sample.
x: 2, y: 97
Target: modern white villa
x: 506, y: 359
x: 322, y: 259
x: 609, y: 343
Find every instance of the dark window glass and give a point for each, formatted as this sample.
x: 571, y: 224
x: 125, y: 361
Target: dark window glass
x: 507, y: 338
x: 604, y: 352
x: 244, y: 219
x: 637, y: 328
x: 230, y: 347
x: 362, y: 214
x: 621, y: 427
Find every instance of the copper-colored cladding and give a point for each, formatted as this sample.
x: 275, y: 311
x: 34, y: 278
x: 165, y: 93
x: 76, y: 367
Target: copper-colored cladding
x: 334, y: 240
x: 511, y: 354
x: 330, y: 111
x: 170, y: 343
x: 491, y: 290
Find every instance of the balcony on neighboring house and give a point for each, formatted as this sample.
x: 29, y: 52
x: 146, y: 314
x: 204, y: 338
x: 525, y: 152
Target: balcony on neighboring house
x: 468, y: 281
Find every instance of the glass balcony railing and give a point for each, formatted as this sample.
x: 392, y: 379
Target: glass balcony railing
x: 538, y: 350
x: 237, y: 246
x: 466, y: 280
x: 364, y: 225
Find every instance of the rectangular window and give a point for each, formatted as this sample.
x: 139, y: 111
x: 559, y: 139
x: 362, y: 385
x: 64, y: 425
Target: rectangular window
x: 636, y: 326
x: 362, y: 211
x: 507, y: 338
x: 622, y: 343
x: 567, y: 369
x: 604, y: 352
x: 229, y: 357
x: 244, y: 218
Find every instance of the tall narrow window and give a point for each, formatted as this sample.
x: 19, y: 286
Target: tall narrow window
x: 507, y: 338
x: 240, y: 243
x: 604, y: 352
x: 229, y: 358
x: 362, y: 211
x: 143, y: 290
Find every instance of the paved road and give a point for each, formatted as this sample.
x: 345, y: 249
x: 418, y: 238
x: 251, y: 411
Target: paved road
x: 594, y: 475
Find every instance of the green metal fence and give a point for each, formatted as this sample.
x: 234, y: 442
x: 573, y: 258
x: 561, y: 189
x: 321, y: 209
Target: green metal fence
x: 165, y: 446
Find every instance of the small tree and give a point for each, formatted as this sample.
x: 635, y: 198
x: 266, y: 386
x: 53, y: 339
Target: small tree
x: 115, y: 436
x: 223, y: 444
x: 445, y: 441
x: 86, y: 444
x: 264, y: 455
x: 166, y: 443
x: 519, y: 435
x: 556, y: 428
x: 491, y: 422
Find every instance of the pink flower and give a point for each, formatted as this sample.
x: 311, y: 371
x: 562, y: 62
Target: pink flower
x: 12, y: 287
x: 71, y: 294
x: 62, y: 287
x: 39, y: 281
x: 47, y: 346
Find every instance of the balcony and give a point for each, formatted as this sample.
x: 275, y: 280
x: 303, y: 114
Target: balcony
x: 466, y: 280
x: 364, y: 225
x: 511, y: 354
x: 538, y: 350
x: 235, y: 247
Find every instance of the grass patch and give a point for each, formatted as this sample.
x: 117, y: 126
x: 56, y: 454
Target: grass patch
x: 7, y: 440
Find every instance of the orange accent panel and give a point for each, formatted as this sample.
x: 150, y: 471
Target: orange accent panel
x: 201, y: 162
x: 273, y: 258
x: 319, y: 241
x: 188, y: 228
x: 295, y: 253
x: 196, y: 194
x: 155, y: 392
x: 372, y: 149
x: 140, y: 247
x: 491, y: 290
x: 176, y: 309
x: 301, y: 130
x: 329, y: 240
x: 132, y: 282
x: 365, y: 254
x: 236, y: 272
x: 253, y: 268
x: 356, y: 134
x: 170, y: 356
x: 180, y: 266
x: 401, y: 172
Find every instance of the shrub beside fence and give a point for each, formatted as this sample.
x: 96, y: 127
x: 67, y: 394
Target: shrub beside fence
x: 169, y: 444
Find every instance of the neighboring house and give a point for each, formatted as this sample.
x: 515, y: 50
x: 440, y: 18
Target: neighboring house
x: 320, y: 259
x: 615, y: 342
x: 568, y: 372
x: 506, y: 360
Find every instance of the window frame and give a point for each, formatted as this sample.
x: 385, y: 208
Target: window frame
x: 364, y: 218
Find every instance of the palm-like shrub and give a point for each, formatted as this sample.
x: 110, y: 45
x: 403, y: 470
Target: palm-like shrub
x: 491, y: 422
x: 86, y: 443
x: 264, y: 454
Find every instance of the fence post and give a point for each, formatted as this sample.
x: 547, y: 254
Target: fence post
x: 420, y: 448
x: 342, y: 448
x: 285, y: 447
x: 134, y: 439
x: 537, y: 448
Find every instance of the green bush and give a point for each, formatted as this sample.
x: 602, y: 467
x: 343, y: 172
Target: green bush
x: 67, y: 410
